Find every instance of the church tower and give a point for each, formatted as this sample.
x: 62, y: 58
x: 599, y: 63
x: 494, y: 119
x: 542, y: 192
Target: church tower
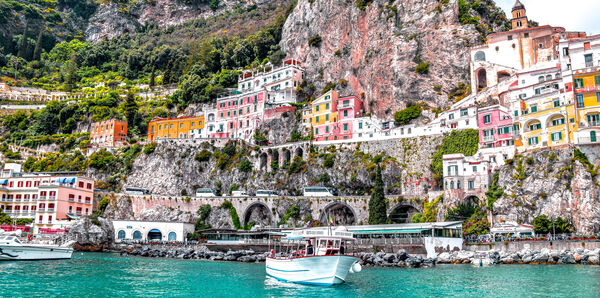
x: 519, y: 16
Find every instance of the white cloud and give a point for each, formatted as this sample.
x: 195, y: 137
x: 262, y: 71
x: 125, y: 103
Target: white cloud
x: 574, y: 15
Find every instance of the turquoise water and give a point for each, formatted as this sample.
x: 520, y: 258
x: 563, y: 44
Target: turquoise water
x: 103, y: 275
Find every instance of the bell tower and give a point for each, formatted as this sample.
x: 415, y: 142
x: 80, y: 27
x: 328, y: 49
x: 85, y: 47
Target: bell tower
x: 519, y: 16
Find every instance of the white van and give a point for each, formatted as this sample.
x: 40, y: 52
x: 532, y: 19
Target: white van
x: 266, y: 193
x: 239, y: 193
x: 319, y: 191
x: 205, y: 192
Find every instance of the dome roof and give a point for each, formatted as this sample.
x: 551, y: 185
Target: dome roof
x: 518, y: 5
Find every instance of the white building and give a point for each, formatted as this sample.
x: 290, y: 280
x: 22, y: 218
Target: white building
x: 465, y: 178
x: 132, y: 230
x: 280, y: 83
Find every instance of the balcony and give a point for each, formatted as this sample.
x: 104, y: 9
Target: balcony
x: 78, y: 213
x: 587, y: 89
x: 51, y: 198
x: 488, y: 138
x: 42, y: 198
x: 71, y: 199
x: 49, y: 209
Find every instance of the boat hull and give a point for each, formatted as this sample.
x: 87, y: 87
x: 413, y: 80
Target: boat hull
x: 314, y: 270
x: 31, y: 253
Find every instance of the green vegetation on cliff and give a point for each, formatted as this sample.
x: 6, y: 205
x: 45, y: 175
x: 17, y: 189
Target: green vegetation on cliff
x: 458, y: 141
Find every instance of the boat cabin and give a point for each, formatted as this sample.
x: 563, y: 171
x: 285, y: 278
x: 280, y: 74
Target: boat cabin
x: 317, y: 242
x: 9, y: 240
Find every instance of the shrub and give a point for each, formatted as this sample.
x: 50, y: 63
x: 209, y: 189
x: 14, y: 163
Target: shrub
x: 315, y: 41
x: 245, y: 166
x: 404, y: 117
x: 422, y: 68
x: 461, y: 141
x: 329, y: 161
x: 149, y: 148
x: 204, y: 155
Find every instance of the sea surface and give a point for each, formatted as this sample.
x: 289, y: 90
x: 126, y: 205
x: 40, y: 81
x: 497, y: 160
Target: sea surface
x: 110, y: 275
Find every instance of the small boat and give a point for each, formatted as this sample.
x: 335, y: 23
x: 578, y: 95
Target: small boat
x: 12, y: 249
x: 321, y: 257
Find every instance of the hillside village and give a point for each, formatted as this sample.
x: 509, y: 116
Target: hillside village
x: 534, y: 89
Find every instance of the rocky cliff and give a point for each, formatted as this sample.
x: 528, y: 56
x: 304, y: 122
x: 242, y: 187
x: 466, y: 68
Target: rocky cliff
x: 553, y: 183
x: 114, y: 19
x: 371, y: 50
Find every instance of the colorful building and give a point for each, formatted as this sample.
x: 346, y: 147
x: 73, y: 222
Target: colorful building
x: 466, y: 178
x: 182, y: 127
x: 238, y: 115
x: 109, y: 133
x: 51, y: 200
x: 506, y: 53
x: 540, y: 106
x: 581, y: 73
x: 495, y: 127
x: 280, y: 83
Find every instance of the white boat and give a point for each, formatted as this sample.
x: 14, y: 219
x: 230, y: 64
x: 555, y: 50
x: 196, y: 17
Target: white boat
x: 321, y: 258
x: 12, y: 249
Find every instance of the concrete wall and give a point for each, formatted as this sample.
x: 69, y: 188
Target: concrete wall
x: 535, y: 245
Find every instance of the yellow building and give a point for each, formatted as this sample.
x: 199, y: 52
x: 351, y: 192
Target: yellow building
x: 543, y: 122
x: 183, y: 127
x: 587, y: 105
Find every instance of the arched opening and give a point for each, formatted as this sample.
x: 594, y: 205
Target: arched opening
x: 503, y: 76
x: 211, y: 117
x: 402, y: 214
x: 463, y: 210
x: 257, y: 214
x: 480, y: 56
x: 121, y: 234
x: 263, y: 161
x: 556, y: 120
x: 481, y: 79
x: 172, y: 236
x: 299, y: 152
x: 137, y: 235
x: 339, y: 212
x: 154, y: 234
x: 533, y: 125
x: 286, y: 157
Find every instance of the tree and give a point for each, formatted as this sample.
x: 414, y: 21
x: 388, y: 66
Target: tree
x: 130, y: 108
x: 378, y: 203
x: 23, y: 46
x: 37, y: 52
x: 152, y: 76
x: 542, y: 225
x: 71, y: 70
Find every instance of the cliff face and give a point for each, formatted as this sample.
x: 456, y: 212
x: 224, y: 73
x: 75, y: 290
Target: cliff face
x: 550, y: 183
x: 112, y: 20
x: 376, y: 50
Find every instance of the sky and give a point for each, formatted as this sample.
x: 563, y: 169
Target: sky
x: 574, y: 15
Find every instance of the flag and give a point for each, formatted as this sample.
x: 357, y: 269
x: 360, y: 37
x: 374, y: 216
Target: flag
x: 331, y: 221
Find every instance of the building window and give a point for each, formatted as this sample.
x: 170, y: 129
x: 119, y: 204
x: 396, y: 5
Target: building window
x: 487, y: 119
x: 317, y: 119
x: 326, y: 129
x: 557, y: 136
x: 534, y: 108
x: 587, y: 45
x: 510, y: 37
x: 597, y: 80
x: 535, y: 126
x: 593, y: 119
x: 474, y: 169
x: 565, y: 51
x: 451, y: 116
x: 317, y: 108
x: 345, y: 127
x: 345, y: 113
x: 359, y: 125
x: 588, y: 60
x: 471, y: 184
x: 578, y: 83
x: 533, y: 141
x: 556, y: 103
x: 327, y: 106
x: 326, y: 117
x: 558, y: 121
x: 593, y: 136
x: 458, y: 184
x: 451, y: 184
x: 464, y: 112
x: 579, y: 99
x: 316, y: 131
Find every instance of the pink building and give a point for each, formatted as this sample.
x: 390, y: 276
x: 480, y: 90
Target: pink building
x: 348, y: 108
x: 495, y: 127
x: 239, y: 115
x: 50, y: 200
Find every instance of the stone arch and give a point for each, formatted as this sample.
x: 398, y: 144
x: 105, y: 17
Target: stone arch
x: 482, y: 78
x: 121, y: 234
x: 471, y: 199
x: 258, y: 211
x: 154, y: 234
x: 263, y: 161
x: 172, y: 236
x: 286, y: 156
x: 503, y: 76
x: 480, y: 56
x: 402, y: 213
x: 340, y: 212
x: 299, y: 152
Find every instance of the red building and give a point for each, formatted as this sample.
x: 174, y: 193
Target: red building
x: 109, y: 133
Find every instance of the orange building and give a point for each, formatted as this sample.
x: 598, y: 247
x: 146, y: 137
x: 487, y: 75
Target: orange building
x: 182, y: 127
x: 108, y: 133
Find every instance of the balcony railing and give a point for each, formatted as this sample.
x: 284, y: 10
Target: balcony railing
x: 587, y: 89
x: 488, y: 138
x: 71, y: 199
x: 51, y: 198
x: 78, y: 213
x: 42, y: 198
x: 593, y: 123
x: 49, y: 209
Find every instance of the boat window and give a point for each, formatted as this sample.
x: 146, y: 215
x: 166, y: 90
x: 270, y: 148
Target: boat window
x: 322, y: 243
x: 329, y: 243
x: 17, y: 240
x: 337, y: 243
